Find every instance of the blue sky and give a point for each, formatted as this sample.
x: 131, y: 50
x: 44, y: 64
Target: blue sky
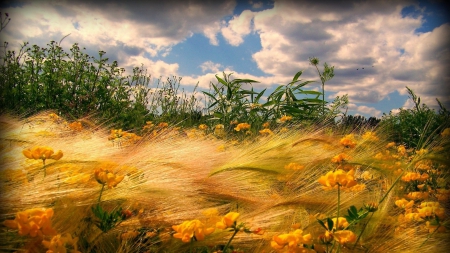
x: 398, y: 43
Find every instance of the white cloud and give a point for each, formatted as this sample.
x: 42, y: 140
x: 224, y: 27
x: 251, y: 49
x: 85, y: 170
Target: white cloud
x: 256, y: 5
x: 237, y: 28
x: 210, y: 66
x: 353, y: 36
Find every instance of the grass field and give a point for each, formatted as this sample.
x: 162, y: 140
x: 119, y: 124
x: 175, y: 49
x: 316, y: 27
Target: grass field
x: 78, y: 186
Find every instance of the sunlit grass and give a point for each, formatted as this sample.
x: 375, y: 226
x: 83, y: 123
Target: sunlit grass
x: 277, y: 183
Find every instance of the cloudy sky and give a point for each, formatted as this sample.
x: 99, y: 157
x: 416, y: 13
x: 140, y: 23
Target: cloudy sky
x: 376, y: 47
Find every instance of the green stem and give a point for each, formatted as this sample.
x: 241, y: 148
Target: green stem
x: 338, y: 207
x: 429, y: 235
x: 364, y: 228
x: 101, y: 191
x: 45, y: 170
x: 228, y: 244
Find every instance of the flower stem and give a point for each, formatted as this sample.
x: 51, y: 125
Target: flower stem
x: 338, y: 207
x: 101, y: 191
x: 364, y: 228
x: 228, y: 244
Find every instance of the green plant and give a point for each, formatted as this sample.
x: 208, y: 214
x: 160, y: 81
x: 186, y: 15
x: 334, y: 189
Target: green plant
x: 418, y: 126
x: 326, y: 75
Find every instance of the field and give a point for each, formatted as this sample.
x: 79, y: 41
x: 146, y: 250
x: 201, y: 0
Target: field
x: 80, y: 187
x: 96, y: 161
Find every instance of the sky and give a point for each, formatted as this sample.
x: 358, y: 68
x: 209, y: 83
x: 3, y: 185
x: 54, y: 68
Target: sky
x: 377, y: 48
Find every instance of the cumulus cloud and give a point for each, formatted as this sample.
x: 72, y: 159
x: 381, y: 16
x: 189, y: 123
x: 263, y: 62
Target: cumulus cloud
x: 238, y: 27
x: 210, y: 66
x: 146, y: 27
x: 374, y: 49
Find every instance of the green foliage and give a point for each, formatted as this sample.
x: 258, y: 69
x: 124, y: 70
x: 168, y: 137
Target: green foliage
x: 416, y: 127
x: 354, y: 215
x: 326, y: 75
x: 78, y: 85
x: 107, y: 221
x: 291, y: 99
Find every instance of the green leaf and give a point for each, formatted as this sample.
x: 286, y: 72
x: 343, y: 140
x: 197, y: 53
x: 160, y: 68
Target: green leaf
x: 297, y: 76
x: 221, y: 81
x: 322, y: 224
x: 259, y: 95
x: 330, y: 224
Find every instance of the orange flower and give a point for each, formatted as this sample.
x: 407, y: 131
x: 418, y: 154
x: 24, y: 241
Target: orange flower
x: 411, y: 176
x: 219, y: 130
x: 285, y: 118
x: 60, y: 244
x: 343, y: 223
x: 266, y: 131
x: 242, y: 126
x: 430, y: 209
x: 42, y: 152
x: 340, y: 158
x: 339, y: 177
x: 417, y: 195
x: 344, y: 236
x: 34, y: 222
x: 104, y: 176
x: 403, y: 203
x: 189, y: 229
x: 446, y: 132
x: 348, y: 141
x: 76, y: 126
x: 228, y: 220
x: 202, y: 127
x: 291, y: 240
x: 370, y: 136
x: 163, y: 125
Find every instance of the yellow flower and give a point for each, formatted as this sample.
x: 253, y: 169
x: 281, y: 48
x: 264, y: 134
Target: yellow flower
x: 343, y: 223
x: 403, y: 203
x: 266, y: 131
x: 242, y: 126
x: 60, y: 244
x: 188, y: 229
x: 429, y: 209
x: 42, y: 152
x: 104, y: 176
x: 219, y: 130
x: 340, y: 158
x: 348, y: 141
x: 446, y: 132
x: 390, y: 144
x: 401, y: 150
x: 203, y: 127
x: 339, y: 177
x: 76, y: 126
x: 285, y: 118
x: 344, y: 236
x: 163, y: 125
x: 228, y: 220
x: 417, y: 195
x: 291, y: 240
x: 411, y: 176
x: 148, y: 125
x: 370, y: 136
x: 294, y: 166
x: 34, y: 222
